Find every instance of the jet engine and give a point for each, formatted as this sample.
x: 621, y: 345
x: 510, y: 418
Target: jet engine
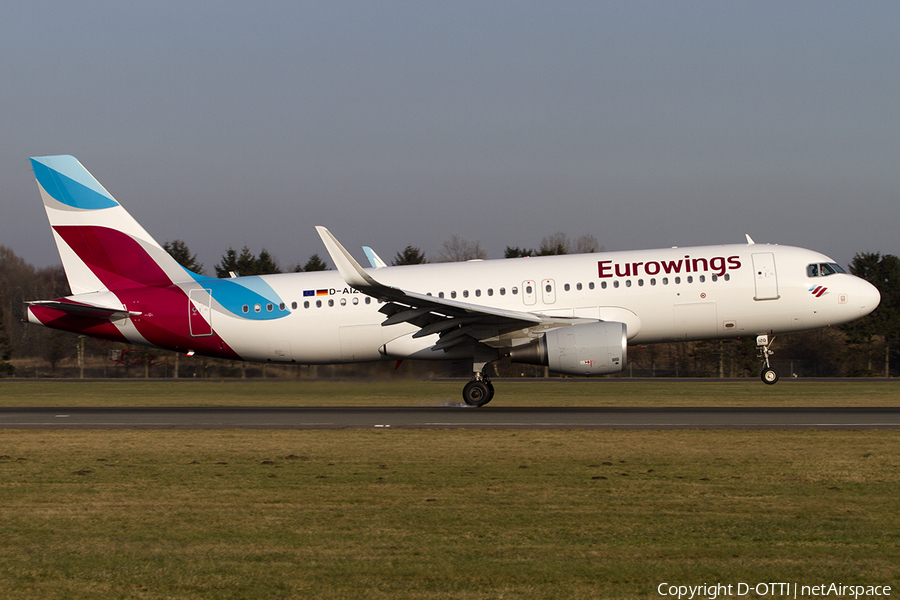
x: 586, y: 349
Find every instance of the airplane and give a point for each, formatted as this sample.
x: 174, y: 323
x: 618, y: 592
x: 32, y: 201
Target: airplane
x: 575, y: 314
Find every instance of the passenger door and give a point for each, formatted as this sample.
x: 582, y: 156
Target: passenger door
x: 200, y: 313
x: 764, y: 276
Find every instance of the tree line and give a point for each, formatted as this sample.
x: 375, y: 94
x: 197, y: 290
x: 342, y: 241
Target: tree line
x: 866, y: 347
x: 456, y: 249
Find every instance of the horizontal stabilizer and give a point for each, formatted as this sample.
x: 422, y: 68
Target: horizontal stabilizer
x: 85, y: 310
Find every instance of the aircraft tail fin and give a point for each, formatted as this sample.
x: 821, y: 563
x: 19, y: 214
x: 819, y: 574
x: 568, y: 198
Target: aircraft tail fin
x: 101, y: 246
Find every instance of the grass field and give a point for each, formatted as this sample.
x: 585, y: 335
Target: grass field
x: 402, y: 392
x: 442, y: 514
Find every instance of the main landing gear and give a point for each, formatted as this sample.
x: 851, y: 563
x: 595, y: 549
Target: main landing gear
x: 480, y: 390
x: 768, y: 375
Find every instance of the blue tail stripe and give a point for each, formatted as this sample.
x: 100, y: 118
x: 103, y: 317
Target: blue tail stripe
x: 67, y: 181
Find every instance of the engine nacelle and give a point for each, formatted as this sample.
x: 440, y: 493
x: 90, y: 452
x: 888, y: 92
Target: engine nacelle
x: 587, y: 349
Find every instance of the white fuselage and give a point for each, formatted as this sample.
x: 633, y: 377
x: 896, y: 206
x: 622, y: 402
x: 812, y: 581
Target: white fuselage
x: 661, y: 295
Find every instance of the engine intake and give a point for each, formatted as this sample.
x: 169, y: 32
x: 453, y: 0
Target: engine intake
x: 587, y: 349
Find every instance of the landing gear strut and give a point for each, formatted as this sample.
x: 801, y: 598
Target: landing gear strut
x: 768, y: 375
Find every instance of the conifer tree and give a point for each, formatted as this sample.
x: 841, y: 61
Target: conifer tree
x: 180, y: 252
x: 315, y: 263
x: 410, y: 256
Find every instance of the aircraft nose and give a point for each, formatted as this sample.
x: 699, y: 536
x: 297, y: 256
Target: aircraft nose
x: 867, y: 296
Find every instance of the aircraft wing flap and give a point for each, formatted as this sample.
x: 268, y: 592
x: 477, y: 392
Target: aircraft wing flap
x: 454, y: 308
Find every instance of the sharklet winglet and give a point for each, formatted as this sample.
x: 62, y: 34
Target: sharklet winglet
x: 350, y: 270
x: 374, y: 260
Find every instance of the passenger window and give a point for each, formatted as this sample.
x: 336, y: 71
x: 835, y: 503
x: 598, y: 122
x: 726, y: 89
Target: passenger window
x: 678, y: 280
x: 343, y: 302
x: 578, y: 286
x: 567, y: 287
x: 665, y: 281
x: 453, y: 294
x: 640, y: 283
x: 440, y: 294
x: 616, y: 283
x: 331, y: 303
x: 490, y: 291
x: 502, y: 291
x: 294, y: 305
x: 306, y: 304
x: 368, y: 300
x: 269, y: 307
x: 257, y: 307
x: 690, y: 279
x: 652, y: 281
x: 465, y: 293
x: 591, y: 285
x: 603, y: 284
x: 627, y: 283
x: 355, y: 301
x: 515, y: 291
x: 318, y: 304
x: 245, y: 308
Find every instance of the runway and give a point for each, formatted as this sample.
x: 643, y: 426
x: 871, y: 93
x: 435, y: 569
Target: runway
x: 458, y: 417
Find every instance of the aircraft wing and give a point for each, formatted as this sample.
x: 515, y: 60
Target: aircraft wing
x: 456, y: 322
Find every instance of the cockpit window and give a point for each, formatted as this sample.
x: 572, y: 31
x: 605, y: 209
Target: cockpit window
x: 823, y: 269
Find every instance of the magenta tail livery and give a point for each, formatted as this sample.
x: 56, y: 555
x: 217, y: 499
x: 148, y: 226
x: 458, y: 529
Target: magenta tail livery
x: 575, y: 314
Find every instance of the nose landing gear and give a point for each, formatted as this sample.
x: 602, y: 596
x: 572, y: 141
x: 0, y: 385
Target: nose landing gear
x: 769, y: 375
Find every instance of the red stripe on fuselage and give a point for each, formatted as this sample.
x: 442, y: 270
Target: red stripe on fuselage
x: 165, y: 322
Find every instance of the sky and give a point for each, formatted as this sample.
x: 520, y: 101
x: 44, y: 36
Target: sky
x: 644, y: 124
